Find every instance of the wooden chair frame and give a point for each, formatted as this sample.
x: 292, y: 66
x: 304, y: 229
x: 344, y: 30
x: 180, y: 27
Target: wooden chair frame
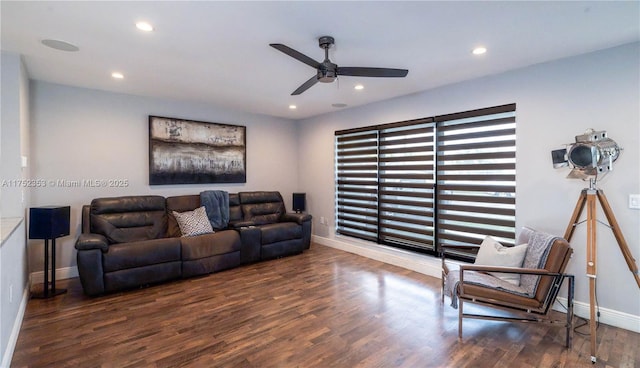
x: 522, y: 313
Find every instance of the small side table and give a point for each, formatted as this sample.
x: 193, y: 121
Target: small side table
x: 46, y: 223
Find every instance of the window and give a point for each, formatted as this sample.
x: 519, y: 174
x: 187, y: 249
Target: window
x: 357, y: 184
x: 476, y: 177
x: 419, y: 184
x: 405, y: 184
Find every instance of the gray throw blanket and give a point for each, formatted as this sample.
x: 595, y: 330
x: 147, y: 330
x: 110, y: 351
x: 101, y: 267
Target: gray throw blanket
x: 536, y: 257
x: 216, y: 202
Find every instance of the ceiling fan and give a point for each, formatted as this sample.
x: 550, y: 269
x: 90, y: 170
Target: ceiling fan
x: 328, y: 71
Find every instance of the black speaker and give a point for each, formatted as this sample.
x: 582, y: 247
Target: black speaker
x: 49, y: 222
x: 299, y: 202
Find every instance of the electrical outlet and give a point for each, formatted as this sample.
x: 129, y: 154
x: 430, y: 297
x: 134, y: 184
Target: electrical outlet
x: 323, y: 221
x: 634, y: 201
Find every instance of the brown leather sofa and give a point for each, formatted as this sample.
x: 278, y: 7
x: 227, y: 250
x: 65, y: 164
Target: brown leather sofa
x: 134, y: 241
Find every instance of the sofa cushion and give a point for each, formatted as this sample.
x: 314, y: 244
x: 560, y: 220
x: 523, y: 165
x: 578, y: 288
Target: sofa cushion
x: 262, y: 207
x: 207, y: 245
x: 129, y: 218
x: 272, y: 233
x: 141, y: 253
x: 235, y: 212
x: 194, y: 222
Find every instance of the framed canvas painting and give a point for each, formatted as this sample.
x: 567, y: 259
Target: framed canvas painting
x: 195, y: 152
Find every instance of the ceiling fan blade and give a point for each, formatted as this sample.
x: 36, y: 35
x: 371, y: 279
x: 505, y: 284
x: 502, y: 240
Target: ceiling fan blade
x: 372, y: 72
x: 306, y: 85
x: 295, y: 54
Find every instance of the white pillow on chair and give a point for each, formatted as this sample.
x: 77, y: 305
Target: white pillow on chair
x: 492, y: 253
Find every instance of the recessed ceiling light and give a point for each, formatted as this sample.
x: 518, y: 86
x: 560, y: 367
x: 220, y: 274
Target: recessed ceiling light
x: 117, y: 75
x: 292, y: 107
x: 339, y: 105
x: 358, y: 87
x: 144, y: 26
x: 60, y: 45
x: 479, y: 50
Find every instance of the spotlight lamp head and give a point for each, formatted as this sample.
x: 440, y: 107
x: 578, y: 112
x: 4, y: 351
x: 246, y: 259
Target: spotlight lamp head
x: 592, y: 155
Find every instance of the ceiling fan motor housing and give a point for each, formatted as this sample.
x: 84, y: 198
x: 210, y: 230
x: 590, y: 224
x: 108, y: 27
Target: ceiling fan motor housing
x: 327, y: 72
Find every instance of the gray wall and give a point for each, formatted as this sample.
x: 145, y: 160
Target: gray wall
x: 79, y: 134
x: 555, y: 101
x: 13, y: 198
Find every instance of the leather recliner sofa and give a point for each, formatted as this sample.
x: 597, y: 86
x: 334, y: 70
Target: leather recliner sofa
x: 135, y: 241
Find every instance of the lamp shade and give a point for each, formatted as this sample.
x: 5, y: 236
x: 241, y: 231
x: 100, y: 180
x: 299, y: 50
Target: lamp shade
x: 48, y: 222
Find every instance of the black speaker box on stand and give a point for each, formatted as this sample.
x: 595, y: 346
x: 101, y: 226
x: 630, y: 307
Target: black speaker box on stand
x: 299, y: 201
x: 46, y: 223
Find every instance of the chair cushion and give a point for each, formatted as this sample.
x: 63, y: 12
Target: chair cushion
x: 492, y: 253
x: 480, y: 284
x: 498, y: 296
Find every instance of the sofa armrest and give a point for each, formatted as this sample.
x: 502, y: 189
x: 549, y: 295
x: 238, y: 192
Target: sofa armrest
x: 251, y: 241
x: 300, y: 218
x: 92, y: 241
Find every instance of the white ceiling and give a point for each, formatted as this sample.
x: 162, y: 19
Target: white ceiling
x: 218, y: 52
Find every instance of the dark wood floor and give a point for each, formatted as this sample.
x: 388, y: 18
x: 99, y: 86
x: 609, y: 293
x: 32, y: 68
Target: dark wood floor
x: 325, y: 308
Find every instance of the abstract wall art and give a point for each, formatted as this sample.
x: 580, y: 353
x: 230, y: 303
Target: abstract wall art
x: 195, y: 152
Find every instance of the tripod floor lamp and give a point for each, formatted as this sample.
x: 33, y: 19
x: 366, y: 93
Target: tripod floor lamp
x: 588, y: 198
x: 593, y: 154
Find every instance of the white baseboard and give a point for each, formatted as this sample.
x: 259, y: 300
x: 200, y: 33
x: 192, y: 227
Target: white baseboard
x: 7, y: 356
x: 416, y: 262
x: 61, y: 274
x: 607, y: 316
x: 431, y: 266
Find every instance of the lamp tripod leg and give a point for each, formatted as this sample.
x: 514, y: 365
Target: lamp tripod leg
x: 591, y: 268
x: 587, y: 197
x: 568, y: 234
